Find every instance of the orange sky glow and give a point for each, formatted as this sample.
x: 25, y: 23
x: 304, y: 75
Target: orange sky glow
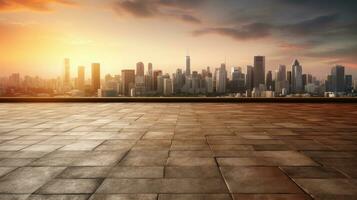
x: 36, y: 36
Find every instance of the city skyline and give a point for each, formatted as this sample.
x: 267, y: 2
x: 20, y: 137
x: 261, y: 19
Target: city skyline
x: 37, y: 35
x: 255, y: 81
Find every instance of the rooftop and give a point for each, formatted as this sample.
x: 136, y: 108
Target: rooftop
x: 170, y: 151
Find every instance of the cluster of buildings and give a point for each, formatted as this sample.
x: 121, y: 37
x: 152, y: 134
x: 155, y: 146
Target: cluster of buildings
x: 147, y: 81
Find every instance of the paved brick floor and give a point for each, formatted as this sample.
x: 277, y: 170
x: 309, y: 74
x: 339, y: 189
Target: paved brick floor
x: 178, y: 151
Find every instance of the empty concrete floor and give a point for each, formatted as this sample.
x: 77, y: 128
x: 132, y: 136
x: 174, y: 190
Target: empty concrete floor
x: 166, y: 151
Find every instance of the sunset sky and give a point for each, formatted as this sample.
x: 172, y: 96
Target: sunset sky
x: 36, y: 35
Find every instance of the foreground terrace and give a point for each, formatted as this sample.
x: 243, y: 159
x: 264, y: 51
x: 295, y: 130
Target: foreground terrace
x: 170, y: 151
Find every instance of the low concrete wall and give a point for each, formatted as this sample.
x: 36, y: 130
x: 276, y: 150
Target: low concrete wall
x: 175, y: 100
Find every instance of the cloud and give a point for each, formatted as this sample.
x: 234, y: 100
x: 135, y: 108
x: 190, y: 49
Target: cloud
x: 34, y: 5
x: 191, y: 19
x: 347, y: 52
x: 168, y: 9
x: 186, y: 4
x: 137, y: 8
x: 320, y: 24
x: 246, y: 32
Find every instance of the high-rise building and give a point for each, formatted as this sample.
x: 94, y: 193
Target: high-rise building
x: 139, y: 79
x: 195, y: 83
x: 238, y: 80
x: 209, y: 84
x: 259, y: 71
x: 81, y: 78
x: 338, y: 79
x: 150, y: 69
x: 168, y: 90
x: 328, y: 83
x: 67, y: 75
x: 269, y: 81
x: 139, y: 69
x: 95, y: 77
x: 160, y: 83
x: 178, y: 81
x: 221, y: 82
x: 304, y: 81
x: 348, y: 83
x: 249, y: 81
x: 289, y: 78
x: 296, y: 77
x: 128, y: 81
x: 188, y: 65
x: 281, y: 84
x: 149, y: 82
x: 309, y: 78
x: 155, y: 75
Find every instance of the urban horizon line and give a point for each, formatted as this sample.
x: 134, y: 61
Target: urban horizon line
x: 256, y: 82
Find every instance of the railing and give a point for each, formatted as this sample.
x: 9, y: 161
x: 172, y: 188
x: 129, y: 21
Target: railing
x: 177, y: 100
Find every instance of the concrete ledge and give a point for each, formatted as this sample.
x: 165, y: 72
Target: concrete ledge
x: 175, y: 100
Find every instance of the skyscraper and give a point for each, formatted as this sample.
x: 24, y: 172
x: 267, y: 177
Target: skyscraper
x: 95, y: 77
x: 269, y: 80
x: 139, y: 69
x: 221, y: 82
x: 155, y: 75
x: 235, y: 79
x: 238, y: 80
x: 179, y: 81
x: 348, y: 83
x: 188, y: 65
x: 249, y: 81
x: 150, y: 69
x: 281, y: 84
x: 149, y: 82
x: 139, y: 79
x: 296, y: 77
x: 304, y: 81
x: 259, y: 71
x: 81, y: 78
x: 168, y: 90
x: 128, y: 81
x: 67, y: 75
x: 288, y: 77
x: 338, y: 79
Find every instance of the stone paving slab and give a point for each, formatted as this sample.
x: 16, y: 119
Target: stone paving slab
x: 177, y: 151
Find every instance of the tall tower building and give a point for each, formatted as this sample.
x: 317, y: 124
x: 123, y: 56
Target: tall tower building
x: 168, y: 88
x: 81, y: 78
x: 95, y: 77
x: 155, y: 75
x: 139, y: 79
x: 128, y: 81
x: 249, y: 81
x: 289, y: 78
x: 139, y: 69
x: 338, y: 78
x: 281, y: 83
x: 221, y: 82
x: 178, y: 81
x: 269, y: 81
x: 150, y: 69
x: 67, y: 75
x: 348, y: 83
x: 296, y: 77
x: 188, y: 65
x: 259, y: 71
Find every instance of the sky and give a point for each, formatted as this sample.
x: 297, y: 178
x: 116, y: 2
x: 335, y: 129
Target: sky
x: 36, y: 35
